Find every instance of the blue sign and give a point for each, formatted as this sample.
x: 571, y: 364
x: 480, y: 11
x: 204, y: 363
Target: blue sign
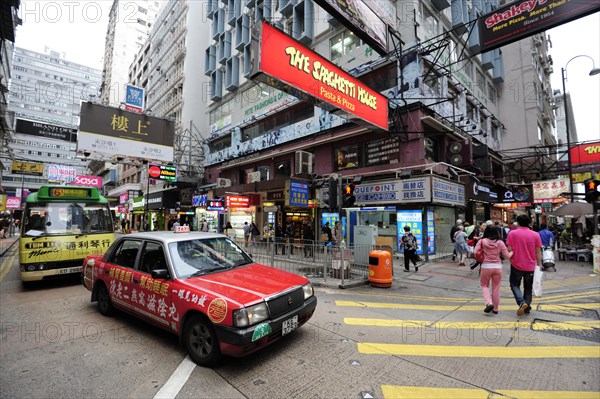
x: 134, y: 96
x: 430, y: 232
x: 298, y: 194
x: 200, y: 200
x: 414, y: 220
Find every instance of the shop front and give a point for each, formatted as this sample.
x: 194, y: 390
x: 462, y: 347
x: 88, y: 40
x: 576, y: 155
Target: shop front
x: 160, y: 205
x: 482, y: 196
x: 296, y: 211
x: 207, y: 209
x: 240, y: 210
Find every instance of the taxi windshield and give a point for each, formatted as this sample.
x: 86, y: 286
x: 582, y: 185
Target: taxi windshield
x: 201, y: 256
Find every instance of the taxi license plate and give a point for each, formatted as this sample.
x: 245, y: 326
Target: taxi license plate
x: 70, y: 270
x: 289, y: 325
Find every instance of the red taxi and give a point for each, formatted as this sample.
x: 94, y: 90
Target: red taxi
x: 201, y: 286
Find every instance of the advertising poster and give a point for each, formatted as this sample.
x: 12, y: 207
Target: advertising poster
x: 414, y: 220
x: 347, y: 157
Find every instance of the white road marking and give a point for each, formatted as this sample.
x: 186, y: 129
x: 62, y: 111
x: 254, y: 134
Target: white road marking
x: 177, y: 380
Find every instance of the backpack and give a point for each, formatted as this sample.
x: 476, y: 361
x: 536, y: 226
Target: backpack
x: 409, y: 241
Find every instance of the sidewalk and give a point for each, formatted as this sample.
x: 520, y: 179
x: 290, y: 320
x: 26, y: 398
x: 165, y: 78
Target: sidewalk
x: 7, y: 243
x: 445, y: 274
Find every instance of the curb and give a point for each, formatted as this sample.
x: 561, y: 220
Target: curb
x: 8, y: 247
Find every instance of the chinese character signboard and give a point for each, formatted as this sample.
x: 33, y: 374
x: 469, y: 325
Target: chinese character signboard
x: 298, y: 194
x: 346, y: 157
x: 61, y: 174
x: 28, y: 168
x: 107, y: 132
x: 377, y: 193
x: 415, y: 190
x: 550, y: 190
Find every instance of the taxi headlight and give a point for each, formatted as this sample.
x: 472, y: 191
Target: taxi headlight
x: 251, y: 315
x: 308, y: 291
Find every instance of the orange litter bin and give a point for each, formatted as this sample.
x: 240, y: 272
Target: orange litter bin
x: 380, y: 269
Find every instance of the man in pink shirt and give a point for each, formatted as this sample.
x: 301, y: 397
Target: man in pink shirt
x: 527, y: 253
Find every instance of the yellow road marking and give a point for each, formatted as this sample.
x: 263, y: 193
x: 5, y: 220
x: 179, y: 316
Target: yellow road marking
x: 6, y: 266
x: 387, y: 305
x: 561, y: 298
x: 399, y: 392
x: 536, y: 326
x: 514, y: 352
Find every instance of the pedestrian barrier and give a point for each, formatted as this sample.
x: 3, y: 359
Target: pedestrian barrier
x: 311, y: 259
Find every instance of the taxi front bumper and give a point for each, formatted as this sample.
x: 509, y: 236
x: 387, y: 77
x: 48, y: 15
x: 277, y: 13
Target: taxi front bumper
x: 239, y: 341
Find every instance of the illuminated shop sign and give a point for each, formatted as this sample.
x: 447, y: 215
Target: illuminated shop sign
x: 163, y: 172
x: 237, y: 201
x: 289, y: 66
x: 520, y: 19
x: 585, y: 153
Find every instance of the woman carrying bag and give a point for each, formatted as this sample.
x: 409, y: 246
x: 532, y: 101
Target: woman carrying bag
x: 488, y: 251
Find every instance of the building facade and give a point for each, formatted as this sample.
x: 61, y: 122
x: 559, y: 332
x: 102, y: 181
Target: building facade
x: 274, y: 148
x: 45, y: 96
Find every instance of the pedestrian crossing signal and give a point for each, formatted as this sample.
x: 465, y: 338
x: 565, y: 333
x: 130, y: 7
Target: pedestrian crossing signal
x: 349, y: 197
x: 592, y: 190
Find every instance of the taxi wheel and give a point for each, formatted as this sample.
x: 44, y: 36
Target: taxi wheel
x: 105, y: 306
x: 201, y: 341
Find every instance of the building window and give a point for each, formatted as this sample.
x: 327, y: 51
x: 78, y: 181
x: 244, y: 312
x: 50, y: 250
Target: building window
x: 281, y: 119
x: 381, y: 79
x: 283, y: 170
x: 220, y: 144
x: 265, y: 172
x: 342, y: 44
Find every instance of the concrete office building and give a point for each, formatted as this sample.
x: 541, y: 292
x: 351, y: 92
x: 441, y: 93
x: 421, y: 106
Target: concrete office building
x: 45, y: 95
x: 128, y: 26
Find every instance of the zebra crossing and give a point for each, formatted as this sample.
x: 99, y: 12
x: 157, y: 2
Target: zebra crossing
x: 569, y: 314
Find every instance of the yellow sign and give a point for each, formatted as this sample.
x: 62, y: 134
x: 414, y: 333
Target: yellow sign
x: 28, y: 168
x: 59, y: 249
x: 581, y: 177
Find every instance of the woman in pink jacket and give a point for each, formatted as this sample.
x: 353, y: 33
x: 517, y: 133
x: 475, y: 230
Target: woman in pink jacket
x: 491, y: 269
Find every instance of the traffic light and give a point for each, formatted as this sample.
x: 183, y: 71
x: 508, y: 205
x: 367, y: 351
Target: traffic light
x: 349, y: 197
x: 592, y: 190
x: 332, y: 201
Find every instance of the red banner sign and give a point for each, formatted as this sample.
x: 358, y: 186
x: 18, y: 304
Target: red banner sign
x: 288, y: 61
x: 88, y: 181
x: 237, y: 201
x: 585, y: 153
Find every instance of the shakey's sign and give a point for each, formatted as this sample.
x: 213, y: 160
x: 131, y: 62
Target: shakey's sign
x: 520, y: 19
x: 294, y: 68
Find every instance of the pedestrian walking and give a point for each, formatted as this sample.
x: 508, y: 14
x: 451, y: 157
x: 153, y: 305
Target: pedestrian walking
x: 308, y: 238
x: 4, y: 223
x: 290, y: 234
x: 247, y: 232
x: 546, y: 236
x: 452, y: 233
x: 204, y: 225
x: 460, y: 245
x: 279, y: 239
x: 327, y: 235
x: 526, y: 246
x: 409, y: 244
x: 492, y: 248
x: 254, y: 233
x: 176, y: 224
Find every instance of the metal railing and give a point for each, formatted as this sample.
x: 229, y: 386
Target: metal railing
x: 313, y: 259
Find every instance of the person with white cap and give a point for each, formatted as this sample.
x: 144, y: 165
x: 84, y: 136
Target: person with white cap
x: 459, y: 222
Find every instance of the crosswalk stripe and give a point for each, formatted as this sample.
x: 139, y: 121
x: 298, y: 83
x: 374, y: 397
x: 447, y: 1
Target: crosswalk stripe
x: 400, y: 392
x: 535, y: 326
x: 514, y: 352
x: 512, y: 307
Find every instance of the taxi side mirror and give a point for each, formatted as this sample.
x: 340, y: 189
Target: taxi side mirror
x: 160, y: 274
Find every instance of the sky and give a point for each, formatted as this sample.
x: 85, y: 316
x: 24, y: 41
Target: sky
x: 78, y: 28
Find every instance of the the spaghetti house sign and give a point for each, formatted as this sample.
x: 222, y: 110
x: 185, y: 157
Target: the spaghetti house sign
x: 289, y: 66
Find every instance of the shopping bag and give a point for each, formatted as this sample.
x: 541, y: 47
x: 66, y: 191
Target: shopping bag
x: 538, y: 274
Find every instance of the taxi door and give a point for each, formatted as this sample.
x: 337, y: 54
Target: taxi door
x: 118, y: 272
x: 151, y: 298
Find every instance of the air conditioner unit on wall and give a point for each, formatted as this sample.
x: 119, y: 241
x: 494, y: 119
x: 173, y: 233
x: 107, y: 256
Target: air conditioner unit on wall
x: 303, y: 162
x: 221, y: 182
x: 253, y: 177
x: 460, y: 153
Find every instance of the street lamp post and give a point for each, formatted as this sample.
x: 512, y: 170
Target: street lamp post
x: 146, y: 215
x: 563, y: 71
